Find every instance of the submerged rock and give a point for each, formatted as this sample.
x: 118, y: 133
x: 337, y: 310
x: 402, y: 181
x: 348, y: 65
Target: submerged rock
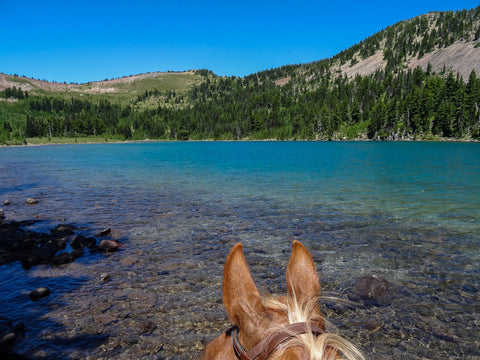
x: 109, y: 245
x: 104, y: 277
x: 9, y: 336
x: 61, y: 243
x: 32, y: 201
x: 81, y: 241
x: 45, y: 252
x: 7, y: 339
x: 435, y: 327
x: 64, y: 258
x: 372, y: 290
x: 104, y: 232
x: 146, y: 327
x: 66, y: 229
x: 371, y: 325
x: 39, y: 293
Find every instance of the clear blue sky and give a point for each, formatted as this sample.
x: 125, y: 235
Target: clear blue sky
x: 80, y: 41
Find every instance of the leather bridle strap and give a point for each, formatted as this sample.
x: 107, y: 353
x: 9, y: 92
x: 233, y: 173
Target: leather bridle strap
x: 264, y: 348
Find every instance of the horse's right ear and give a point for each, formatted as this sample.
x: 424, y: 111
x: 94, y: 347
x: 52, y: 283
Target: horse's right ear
x: 302, y: 279
x: 242, y: 299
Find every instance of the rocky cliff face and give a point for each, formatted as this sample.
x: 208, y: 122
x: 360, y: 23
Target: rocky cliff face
x: 445, y: 40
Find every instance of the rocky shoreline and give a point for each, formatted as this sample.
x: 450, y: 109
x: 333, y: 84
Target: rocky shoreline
x: 336, y: 137
x: 63, y: 244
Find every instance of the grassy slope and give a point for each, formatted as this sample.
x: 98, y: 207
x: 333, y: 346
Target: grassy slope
x: 123, y: 91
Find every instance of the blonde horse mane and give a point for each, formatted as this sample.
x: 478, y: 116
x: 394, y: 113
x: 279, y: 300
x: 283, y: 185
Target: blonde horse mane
x: 323, y: 347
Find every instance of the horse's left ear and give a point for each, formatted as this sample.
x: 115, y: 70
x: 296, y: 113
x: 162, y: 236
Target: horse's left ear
x: 302, y: 278
x: 242, y: 299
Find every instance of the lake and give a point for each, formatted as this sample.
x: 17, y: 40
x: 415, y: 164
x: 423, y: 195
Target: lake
x: 406, y: 212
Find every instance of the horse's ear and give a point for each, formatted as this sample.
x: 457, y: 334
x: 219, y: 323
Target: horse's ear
x: 241, y: 298
x: 302, y: 278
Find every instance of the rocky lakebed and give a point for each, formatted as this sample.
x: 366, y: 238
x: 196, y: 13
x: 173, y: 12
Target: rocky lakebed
x: 74, y: 292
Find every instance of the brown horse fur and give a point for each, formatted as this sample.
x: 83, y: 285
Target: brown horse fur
x: 256, y: 318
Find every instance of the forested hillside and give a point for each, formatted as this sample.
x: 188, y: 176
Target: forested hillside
x: 416, y: 79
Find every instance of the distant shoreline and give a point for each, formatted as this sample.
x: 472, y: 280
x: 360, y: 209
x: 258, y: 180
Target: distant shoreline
x: 86, y: 141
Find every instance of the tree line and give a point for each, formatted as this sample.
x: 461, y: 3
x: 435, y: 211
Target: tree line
x: 384, y: 105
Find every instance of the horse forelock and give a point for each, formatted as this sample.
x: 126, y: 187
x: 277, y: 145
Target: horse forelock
x: 321, y: 347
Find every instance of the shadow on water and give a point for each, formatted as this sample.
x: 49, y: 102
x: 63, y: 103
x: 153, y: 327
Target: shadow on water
x: 36, y: 326
x: 31, y: 321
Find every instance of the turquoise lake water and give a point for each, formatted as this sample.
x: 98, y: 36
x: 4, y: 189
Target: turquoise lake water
x: 436, y: 182
x: 408, y: 212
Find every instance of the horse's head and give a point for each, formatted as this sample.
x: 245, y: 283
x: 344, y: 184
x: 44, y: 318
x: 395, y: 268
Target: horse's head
x: 283, y: 328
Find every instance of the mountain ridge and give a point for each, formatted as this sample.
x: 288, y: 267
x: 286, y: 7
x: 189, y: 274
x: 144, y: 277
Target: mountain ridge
x: 461, y: 55
x: 418, y: 41
x: 92, y: 87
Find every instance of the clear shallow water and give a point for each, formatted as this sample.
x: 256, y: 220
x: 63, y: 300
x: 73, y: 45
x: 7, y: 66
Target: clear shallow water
x: 407, y: 212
